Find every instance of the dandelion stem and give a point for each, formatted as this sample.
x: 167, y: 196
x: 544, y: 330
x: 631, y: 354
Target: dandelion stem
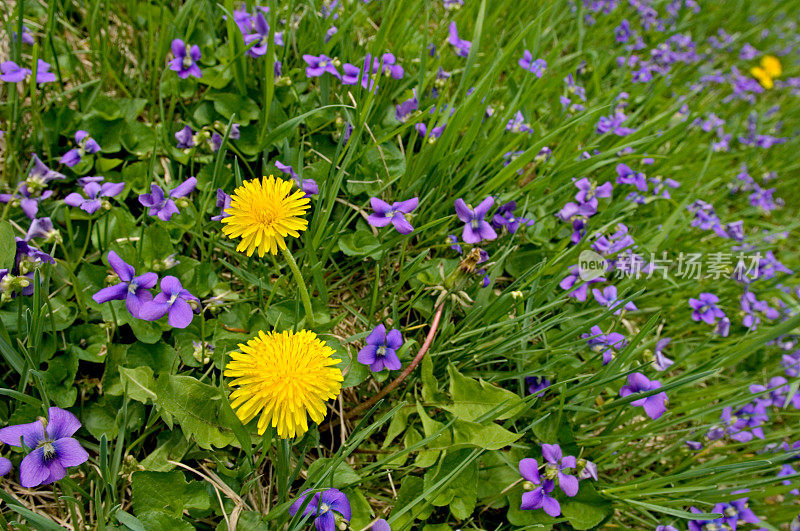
x: 301, y: 286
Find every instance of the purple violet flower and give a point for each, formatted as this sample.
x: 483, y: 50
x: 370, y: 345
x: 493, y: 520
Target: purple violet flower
x: 556, y: 464
x: 162, y: 205
x: 173, y: 299
x: 581, y: 292
x: 608, y: 297
x: 381, y: 348
x: 85, y: 145
x: 94, y: 192
x: 461, y: 46
x: 537, y: 67
x: 11, y: 72
x: 384, y: 213
x: 705, y: 308
x: 318, y: 65
x: 185, y: 62
x: 655, y: 405
x: 185, y: 138
x: 537, y: 385
x: 539, y: 496
x: 605, y: 343
x: 42, y: 228
x: 27, y: 201
x: 309, y: 186
x: 661, y: 362
x: 132, y: 289
x: 223, y: 202
x: 406, y: 108
x: 53, y: 449
x: 324, y: 506
x: 476, y: 228
x: 504, y: 217
x: 260, y: 37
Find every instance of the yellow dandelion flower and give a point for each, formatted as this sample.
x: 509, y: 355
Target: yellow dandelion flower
x: 263, y: 213
x: 285, y: 377
x: 770, y: 68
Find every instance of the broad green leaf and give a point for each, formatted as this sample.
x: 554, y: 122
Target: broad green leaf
x: 195, y: 406
x: 138, y: 383
x: 490, y: 437
x: 473, y: 399
x: 167, y: 492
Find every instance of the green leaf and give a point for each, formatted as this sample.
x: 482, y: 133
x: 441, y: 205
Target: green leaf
x: 166, y: 492
x: 587, y: 509
x: 173, y: 448
x: 474, y: 399
x: 227, y: 104
x: 8, y: 245
x: 138, y: 383
x: 341, y: 477
x: 489, y: 437
x: 359, y: 243
x: 196, y: 407
x: 164, y: 522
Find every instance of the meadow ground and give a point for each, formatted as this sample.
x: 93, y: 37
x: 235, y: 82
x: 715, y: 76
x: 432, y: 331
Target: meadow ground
x: 399, y: 264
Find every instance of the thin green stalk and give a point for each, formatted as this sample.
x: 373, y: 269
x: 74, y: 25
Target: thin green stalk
x: 301, y: 287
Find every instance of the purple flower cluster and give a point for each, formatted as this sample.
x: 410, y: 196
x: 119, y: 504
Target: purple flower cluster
x: 135, y: 291
x: 85, y: 145
x: 162, y: 204
x: 584, y: 207
x: 733, y: 514
x: 572, y: 101
x: 95, y: 190
x: 556, y: 470
x: 11, y: 72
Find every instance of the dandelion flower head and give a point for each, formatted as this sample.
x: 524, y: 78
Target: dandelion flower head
x: 263, y: 213
x: 285, y: 377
